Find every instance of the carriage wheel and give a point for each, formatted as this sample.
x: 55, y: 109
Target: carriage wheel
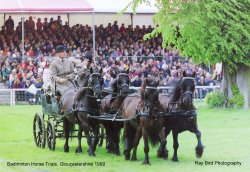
x: 39, y: 131
x: 51, y: 135
x: 101, y: 135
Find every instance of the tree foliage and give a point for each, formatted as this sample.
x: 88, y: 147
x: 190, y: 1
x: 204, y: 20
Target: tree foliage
x: 205, y: 30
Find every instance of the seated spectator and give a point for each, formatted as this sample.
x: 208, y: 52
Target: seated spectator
x: 107, y: 80
x: 38, y: 83
x: 39, y: 25
x: 6, y: 71
x: 16, y: 83
x: 12, y: 77
x: 9, y: 24
x: 202, y: 91
x: 136, y: 81
x: 31, y: 24
x: 118, y: 48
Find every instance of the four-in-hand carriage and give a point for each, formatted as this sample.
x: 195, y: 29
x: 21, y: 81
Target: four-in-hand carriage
x: 48, y: 126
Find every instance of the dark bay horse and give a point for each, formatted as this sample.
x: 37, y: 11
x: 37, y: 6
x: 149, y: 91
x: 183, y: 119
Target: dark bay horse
x: 144, y: 120
x: 85, y: 98
x: 181, y: 100
x: 110, y: 104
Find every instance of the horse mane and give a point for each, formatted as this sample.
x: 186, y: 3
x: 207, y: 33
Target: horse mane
x: 80, y: 94
x: 84, y: 76
x: 82, y: 91
x: 113, y: 85
x: 176, y: 92
x: 148, y: 82
x: 151, y: 83
x: 143, y: 87
x: 89, y: 64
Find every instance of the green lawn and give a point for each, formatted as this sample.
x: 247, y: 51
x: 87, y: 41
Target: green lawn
x: 225, y: 133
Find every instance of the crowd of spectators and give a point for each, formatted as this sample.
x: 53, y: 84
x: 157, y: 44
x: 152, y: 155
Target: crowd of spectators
x: 117, y: 48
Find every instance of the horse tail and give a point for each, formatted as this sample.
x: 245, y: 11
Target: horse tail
x: 154, y: 135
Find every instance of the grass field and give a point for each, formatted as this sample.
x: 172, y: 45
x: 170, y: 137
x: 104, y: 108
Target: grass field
x: 225, y: 133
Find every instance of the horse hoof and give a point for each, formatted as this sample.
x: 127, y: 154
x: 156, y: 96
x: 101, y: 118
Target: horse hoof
x: 133, y: 159
x: 145, y: 162
x: 91, y: 154
x: 163, y: 154
x: 118, y: 153
x: 175, y: 159
x: 198, y: 156
x: 78, y: 150
x: 66, y: 149
x: 199, y: 152
x: 127, y: 156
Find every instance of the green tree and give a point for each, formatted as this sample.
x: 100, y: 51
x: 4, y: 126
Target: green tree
x: 208, y: 31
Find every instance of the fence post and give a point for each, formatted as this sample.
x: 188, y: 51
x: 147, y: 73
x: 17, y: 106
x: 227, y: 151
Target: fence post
x: 11, y: 97
x: 14, y: 97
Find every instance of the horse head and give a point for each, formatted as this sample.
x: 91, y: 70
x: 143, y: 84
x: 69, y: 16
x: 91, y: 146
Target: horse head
x: 122, y: 83
x: 149, y: 93
x: 95, y: 82
x: 187, y: 88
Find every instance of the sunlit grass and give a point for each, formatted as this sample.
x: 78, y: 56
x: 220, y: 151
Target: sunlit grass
x: 225, y: 133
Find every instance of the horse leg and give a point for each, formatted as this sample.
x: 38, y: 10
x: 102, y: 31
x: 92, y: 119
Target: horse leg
x: 136, y: 142
x: 66, y: 130
x: 127, y: 140
x: 89, y: 141
x: 117, y: 140
x: 199, y: 148
x: 108, y: 144
x: 176, y: 145
x: 96, y: 138
x: 109, y: 141
x: 79, y: 147
x: 146, y: 146
x: 162, y: 151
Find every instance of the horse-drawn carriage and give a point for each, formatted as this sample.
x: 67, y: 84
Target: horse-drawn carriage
x: 149, y: 114
x: 47, y: 127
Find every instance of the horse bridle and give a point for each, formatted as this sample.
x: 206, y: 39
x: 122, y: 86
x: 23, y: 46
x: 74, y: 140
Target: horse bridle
x: 123, y: 85
x: 155, y: 89
x: 187, y: 92
x: 90, y: 80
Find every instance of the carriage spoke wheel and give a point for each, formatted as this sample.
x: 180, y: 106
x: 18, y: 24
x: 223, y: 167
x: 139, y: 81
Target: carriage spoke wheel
x: 51, y: 135
x: 39, y: 131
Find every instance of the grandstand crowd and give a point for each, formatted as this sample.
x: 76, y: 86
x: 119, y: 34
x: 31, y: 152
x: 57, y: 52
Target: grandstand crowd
x: 117, y: 48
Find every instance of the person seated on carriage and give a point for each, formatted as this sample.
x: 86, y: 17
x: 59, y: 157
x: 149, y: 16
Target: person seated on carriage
x: 61, y: 71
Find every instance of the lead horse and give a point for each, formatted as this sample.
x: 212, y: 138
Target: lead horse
x: 182, y: 102
x: 143, y: 120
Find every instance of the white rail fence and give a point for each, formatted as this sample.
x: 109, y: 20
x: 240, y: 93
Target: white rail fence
x: 14, y: 97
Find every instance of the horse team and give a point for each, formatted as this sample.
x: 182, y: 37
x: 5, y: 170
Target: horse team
x: 146, y: 114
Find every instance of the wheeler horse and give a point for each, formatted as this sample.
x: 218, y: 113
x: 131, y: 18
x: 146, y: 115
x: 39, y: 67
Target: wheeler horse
x: 110, y: 105
x: 77, y: 104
